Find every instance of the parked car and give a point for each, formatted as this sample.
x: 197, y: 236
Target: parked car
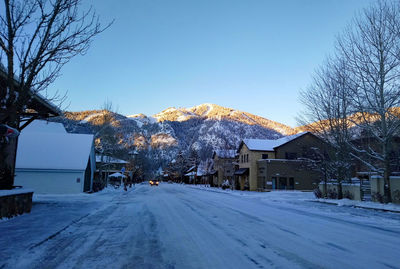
x: 153, y: 182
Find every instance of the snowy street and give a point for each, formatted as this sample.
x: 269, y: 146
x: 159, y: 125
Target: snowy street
x: 177, y: 226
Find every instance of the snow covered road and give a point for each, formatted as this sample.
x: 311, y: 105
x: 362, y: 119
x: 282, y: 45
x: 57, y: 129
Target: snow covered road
x: 175, y: 226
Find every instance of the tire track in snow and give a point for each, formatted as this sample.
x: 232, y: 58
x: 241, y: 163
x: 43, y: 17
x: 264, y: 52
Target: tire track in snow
x: 247, y: 250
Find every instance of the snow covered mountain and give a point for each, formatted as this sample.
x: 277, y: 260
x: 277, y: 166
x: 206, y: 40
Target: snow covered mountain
x: 201, y: 128
x: 216, y: 112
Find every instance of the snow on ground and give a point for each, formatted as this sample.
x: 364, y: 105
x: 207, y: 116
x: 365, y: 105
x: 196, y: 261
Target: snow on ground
x: 90, y: 117
x: 178, y: 226
x: 368, y: 205
x: 275, y: 195
x: 291, y: 196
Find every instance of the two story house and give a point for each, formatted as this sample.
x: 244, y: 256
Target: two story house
x: 277, y: 164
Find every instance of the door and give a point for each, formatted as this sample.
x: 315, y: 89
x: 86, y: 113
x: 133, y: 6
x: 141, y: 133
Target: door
x: 291, y: 183
x: 282, y: 183
x: 274, y: 183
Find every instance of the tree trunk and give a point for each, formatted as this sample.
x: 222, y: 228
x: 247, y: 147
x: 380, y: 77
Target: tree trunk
x: 325, y: 194
x: 387, y: 196
x: 101, y: 179
x: 8, y: 152
x: 340, y: 190
x: 7, y: 168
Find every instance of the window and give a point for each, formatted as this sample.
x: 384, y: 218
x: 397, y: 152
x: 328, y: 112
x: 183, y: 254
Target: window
x: 247, y: 158
x: 290, y: 155
x: 264, y: 156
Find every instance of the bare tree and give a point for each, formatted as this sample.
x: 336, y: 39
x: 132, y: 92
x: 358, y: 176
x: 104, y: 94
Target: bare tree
x: 193, y: 160
x: 179, y: 166
x: 37, y: 37
x: 327, y: 114
x: 105, y: 138
x: 371, y: 49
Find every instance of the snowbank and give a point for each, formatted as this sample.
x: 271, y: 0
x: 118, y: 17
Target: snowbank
x: 362, y: 204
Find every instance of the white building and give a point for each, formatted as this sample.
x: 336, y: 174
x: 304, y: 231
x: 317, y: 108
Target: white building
x: 50, y: 160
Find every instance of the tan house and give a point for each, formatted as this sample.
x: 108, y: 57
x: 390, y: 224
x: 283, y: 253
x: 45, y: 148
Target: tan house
x: 276, y: 164
x: 224, y: 166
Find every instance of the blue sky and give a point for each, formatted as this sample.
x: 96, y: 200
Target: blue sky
x: 250, y: 55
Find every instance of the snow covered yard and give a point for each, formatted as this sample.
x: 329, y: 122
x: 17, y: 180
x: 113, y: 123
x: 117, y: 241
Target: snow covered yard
x: 178, y: 226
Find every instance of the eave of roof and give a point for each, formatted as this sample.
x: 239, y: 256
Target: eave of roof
x: 40, y: 104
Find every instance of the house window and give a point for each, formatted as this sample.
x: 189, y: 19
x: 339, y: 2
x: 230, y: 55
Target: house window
x: 264, y: 156
x: 247, y: 158
x: 290, y: 155
x: 241, y: 158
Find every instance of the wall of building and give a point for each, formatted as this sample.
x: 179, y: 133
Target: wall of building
x: 50, y: 182
x: 254, y: 156
x: 303, y: 178
x: 301, y: 146
x: 225, y: 169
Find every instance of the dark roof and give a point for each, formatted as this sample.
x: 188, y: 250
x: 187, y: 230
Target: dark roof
x: 242, y: 171
x: 43, y: 108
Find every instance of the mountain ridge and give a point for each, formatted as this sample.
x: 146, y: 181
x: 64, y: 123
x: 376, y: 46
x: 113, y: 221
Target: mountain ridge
x: 215, y: 112
x: 161, y: 137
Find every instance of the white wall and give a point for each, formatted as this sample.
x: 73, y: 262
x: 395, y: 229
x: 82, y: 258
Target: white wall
x: 52, y: 182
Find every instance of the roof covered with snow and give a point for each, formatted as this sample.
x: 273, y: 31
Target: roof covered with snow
x: 109, y: 159
x: 268, y: 144
x: 50, y: 148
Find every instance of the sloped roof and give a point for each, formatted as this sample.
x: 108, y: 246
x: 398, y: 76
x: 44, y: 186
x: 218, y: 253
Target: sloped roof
x: 242, y: 171
x: 50, y: 148
x: 117, y: 175
x: 37, y: 102
x: 191, y: 169
x: 269, y: 144
x: 225, y: 153
x: 109, y: 159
